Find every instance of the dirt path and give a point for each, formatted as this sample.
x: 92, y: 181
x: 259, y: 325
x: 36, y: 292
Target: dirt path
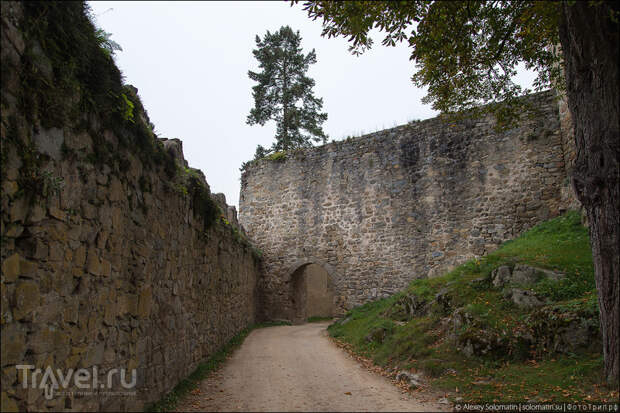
x: 297, y: 368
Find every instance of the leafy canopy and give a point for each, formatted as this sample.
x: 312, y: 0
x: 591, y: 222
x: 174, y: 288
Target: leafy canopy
x: 284, y: 92
x: 465, y: 52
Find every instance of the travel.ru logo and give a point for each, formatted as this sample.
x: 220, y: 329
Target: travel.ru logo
x: 51, y: 381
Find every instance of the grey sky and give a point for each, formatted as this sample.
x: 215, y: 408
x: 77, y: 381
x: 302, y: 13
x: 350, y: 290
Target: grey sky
x: 189, y: 61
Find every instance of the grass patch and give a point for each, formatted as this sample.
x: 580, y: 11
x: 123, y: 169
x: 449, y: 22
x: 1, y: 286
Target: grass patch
x: 170, y: 400
x: 566, y: 378
x: 277, y: 156
x: 465, y: 334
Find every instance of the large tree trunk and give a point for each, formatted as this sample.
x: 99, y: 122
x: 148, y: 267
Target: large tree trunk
x: 590, y: 43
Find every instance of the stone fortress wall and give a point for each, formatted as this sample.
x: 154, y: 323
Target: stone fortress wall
x: 115, y: 270
x: 413, y: 201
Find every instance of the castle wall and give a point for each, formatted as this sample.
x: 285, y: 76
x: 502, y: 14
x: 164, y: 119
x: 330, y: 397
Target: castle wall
x: 414, y: 201
x: 106, y: 260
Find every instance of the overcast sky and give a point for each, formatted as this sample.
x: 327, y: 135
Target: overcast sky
x: 189, y: 61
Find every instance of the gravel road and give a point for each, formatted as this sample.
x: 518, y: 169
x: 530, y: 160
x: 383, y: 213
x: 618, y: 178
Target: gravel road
x: 297, y: 368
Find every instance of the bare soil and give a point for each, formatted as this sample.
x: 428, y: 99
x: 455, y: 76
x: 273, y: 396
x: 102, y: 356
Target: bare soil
x: 298, y: 368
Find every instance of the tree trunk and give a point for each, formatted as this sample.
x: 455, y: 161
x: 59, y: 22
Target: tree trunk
x: 590, y: 43
x: 285, y: 107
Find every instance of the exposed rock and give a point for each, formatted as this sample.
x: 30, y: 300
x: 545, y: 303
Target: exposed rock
x: 522, y: 275
x: 479, y: 282
x: 479, y: 342
x: 344, y: 321
x: 376, y: 335
x: 407, y: 307
x: 443, y: 301
x: 553, y: 275
x: 564, y: 331
x: 456, y: 322
x: 523, y: 298
x: 414, y: 380
x: 501, y: 276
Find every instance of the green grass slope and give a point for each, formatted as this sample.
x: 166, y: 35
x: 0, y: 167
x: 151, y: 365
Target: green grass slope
x: 472, y: 341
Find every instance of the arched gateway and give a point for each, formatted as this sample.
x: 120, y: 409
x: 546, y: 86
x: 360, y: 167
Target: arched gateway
x: 312, y: 292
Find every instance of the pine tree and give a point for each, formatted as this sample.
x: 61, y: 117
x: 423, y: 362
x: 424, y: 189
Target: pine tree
x: 282, y: 85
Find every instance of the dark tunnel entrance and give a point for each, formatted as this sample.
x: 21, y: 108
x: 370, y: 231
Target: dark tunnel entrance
x: 313, y: 292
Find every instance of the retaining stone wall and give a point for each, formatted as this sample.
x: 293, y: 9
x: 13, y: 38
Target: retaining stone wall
x: 113, y: 271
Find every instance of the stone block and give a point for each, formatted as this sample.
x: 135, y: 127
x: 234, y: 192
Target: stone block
x: 8, y: 376
x: 79, y: 257
x: 8, y: 404
x: 48, y: 339
x: 93, y: 356
x: 56, y: 251
x: 110, y: 311
x: 41, y: 250
x: 14, y: 230
x: 106, y: 268
x: 116, y: 191
x: 70, y: 310
x: 6, y: 315
x: 13, y: 346
x: 27, y: 299
x: 11, y: 268
x: 18, y: 210
x: 37, y: 214
x: 57, y: 213
x: 144, y: 302
x: 93, y: 264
